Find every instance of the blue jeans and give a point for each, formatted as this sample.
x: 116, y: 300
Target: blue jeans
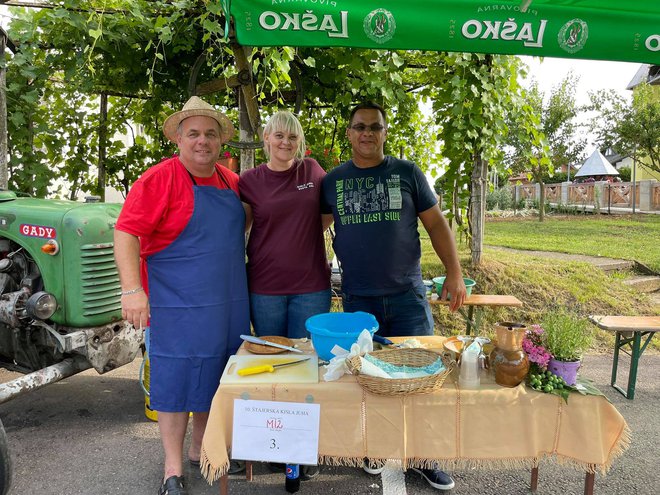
x: 286, y: 315
x: 399, y: 315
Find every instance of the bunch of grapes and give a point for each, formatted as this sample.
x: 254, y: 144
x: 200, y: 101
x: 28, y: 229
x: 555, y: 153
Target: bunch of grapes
x: 546, y: 381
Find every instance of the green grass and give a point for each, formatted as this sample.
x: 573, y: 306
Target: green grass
x: 630, y: 237
x: 543, y: 284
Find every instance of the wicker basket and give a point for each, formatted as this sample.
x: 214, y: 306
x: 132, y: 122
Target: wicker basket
x: 402, y: 386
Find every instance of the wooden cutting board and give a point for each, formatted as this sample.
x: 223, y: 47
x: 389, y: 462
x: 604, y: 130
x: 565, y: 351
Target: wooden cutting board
x: 307, y: 372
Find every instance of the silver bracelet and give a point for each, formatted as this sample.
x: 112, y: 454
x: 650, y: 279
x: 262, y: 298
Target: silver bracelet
x: 132, y: 291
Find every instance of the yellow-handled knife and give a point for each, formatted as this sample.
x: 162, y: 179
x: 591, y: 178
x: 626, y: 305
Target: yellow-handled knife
x: 267, y: 368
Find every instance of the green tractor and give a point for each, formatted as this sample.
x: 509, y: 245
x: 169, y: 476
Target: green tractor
x: 60, y: 310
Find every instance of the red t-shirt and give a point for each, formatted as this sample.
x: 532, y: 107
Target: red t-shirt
x: 286, y: 250
x: 160, y: 204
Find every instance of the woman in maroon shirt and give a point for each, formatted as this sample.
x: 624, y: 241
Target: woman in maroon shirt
x: 288, y: 273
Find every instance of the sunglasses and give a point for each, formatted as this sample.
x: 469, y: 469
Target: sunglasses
x: 363, y: 128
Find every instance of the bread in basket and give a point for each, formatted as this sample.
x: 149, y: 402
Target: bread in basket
x: 414, y: 358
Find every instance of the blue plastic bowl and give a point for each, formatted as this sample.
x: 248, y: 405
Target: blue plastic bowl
x: 440, y: 281
x: 342, y: 329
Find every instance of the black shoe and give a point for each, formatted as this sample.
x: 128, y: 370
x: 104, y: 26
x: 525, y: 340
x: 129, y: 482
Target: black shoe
x: 436, y: 478
x: 236, y: 467
x: 173, y: 486
x: 309, y: 472
x: 276, y: 467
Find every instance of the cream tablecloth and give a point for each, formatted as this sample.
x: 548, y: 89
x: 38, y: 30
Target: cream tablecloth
x: 494, y: 427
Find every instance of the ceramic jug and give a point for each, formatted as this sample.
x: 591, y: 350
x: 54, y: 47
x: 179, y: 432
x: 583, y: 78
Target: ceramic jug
x: 508, y: 359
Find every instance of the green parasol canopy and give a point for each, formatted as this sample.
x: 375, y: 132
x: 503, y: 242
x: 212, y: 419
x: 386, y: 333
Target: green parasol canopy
x: 626, y: 30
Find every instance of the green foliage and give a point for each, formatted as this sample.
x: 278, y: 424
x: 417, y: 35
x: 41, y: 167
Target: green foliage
x: 141, y: 54
x: 625, y: 174
x: 554, y: 178
x: 631, y: 128
x: 441, y: 186
x: 325, y: 157
x: 567, y: 336
x: 470, y: 100
x: 52, y: 95
x: 581, y: 288
x: 553, y: 120
x: 72, y: 53
x: 501, y: 199
x: 563, y: 209
x: 337, y: 79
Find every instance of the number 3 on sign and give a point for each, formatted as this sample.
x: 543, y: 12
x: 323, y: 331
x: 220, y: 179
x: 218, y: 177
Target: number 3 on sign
x: 270, y: 431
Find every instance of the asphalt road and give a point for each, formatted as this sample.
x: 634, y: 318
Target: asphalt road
x: 88, y: 435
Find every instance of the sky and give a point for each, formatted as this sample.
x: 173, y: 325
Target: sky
x: 594, y: 74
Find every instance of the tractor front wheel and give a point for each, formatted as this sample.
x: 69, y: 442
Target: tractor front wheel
x: 5, y: 463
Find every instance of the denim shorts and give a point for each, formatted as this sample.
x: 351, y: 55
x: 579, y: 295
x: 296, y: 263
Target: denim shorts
x: 399, y: 315
x: 286, y: 315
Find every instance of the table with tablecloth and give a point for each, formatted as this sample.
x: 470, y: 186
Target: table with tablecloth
x: 493, y: 427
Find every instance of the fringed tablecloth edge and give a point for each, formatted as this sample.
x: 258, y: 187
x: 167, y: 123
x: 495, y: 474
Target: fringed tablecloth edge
x: 621, y: 444
x: 209, y: 472
x: 472, y: 463
x: 349, y: 461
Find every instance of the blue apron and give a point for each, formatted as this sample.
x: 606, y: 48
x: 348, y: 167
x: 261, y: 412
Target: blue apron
x: 199, y: 302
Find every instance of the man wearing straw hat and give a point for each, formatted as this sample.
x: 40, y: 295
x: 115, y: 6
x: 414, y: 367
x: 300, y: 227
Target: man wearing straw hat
x: 179, y: 248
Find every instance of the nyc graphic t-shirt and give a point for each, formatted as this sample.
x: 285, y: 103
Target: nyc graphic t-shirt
x: 375, y: 211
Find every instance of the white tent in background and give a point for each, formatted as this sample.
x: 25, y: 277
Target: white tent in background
x: 596, y: 165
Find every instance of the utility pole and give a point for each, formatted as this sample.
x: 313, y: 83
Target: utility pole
x: 634, y: 180
x: 4, y: 178
x: 103, y: 138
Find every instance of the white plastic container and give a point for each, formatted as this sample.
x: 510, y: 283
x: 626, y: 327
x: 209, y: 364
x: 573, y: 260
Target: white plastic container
x: 470, y: 372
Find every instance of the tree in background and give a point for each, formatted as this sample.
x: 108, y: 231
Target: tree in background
x: 557, y: 126
x: 630, y: 128
x: 625, y: 174
x: 71, y: 54
x: 442, y: 188
x: 471, y: 106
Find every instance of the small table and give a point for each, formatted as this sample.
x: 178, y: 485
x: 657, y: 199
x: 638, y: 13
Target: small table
x: 472, y: 309
x: 447, y: 426
x: 639, y: 326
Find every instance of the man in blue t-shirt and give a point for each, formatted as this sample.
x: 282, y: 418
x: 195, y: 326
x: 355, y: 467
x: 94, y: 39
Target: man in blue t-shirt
x: 375, y: 201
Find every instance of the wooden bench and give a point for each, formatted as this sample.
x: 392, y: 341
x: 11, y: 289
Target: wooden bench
x: 629, y: 332
x: 473, y: 307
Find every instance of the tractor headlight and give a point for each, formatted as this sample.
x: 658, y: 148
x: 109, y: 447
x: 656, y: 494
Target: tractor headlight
x: 41, y: 305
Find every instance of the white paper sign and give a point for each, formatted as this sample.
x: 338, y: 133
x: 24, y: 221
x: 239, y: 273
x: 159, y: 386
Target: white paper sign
x: 270, y: 431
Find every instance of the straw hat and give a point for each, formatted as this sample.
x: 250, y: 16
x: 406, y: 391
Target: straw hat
x: 195, y: 107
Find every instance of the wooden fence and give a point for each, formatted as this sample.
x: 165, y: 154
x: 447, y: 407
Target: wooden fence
x: 601, y: 195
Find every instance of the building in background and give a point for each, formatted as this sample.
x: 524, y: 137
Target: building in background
x: 649, y: 74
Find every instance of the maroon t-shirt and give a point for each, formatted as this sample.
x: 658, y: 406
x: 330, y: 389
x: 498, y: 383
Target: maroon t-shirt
x: 286, y: 251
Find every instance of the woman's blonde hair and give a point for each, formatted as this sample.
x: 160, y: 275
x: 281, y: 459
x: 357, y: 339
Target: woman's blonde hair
x: 285, y: 121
